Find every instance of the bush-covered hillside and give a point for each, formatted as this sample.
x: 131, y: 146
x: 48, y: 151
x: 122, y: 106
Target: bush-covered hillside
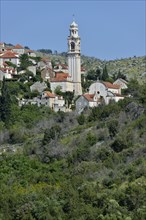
x: 60, y: 166
x: 132, y: 67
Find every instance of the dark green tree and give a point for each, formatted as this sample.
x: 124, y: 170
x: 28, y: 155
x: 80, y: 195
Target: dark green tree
x: 105, y: 75
x: 81, y: 119
x: 24, y: 61
x: 5, y: 103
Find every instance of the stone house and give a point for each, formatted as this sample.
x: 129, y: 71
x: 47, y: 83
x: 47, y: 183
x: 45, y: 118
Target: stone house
x: 18, y: 49
x: 47, y: 74
x: 30, y: 53
x: 7, y: 72
x: 38, y: 86
x: 9, y: 56
x: 122, y: 83
x: 63, y: 81
x: 44, y: 63
x: 86, y: 101
x: 61, y: 68
x: 55, y: 102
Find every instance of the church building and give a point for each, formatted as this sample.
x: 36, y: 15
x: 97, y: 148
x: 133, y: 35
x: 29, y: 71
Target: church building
x: 74, y: 58
x: 71, y: 81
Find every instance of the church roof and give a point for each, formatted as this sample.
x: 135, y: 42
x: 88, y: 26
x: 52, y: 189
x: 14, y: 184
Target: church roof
x: 89, y: 97
x: 111, y: 86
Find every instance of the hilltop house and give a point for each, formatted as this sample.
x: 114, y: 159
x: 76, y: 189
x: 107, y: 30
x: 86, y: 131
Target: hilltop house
x: 18, y: 49
x: 9, y: 56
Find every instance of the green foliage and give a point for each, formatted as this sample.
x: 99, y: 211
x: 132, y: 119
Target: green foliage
x: 58, y: 91
x: 47, y: 51
x: 119, y: 144
x: 81, y: 119
x: 5, y: 103
x: 105, y: 74
x: 10, y: 64
x: 52, y: 168
x: 51, y: 134
x: 113, y: 127
x: 24, y: 62
x: 93, y: 75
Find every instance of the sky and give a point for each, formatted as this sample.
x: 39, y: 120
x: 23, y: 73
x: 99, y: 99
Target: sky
x: 108, y: 29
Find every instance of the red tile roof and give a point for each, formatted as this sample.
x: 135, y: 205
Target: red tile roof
x: 89, y: 97
x: 18, y: 46
x: 61, y: 75
x: 58, y: 80
x: 8, y: 54
x: 49, y: 94
x: 111, y: 86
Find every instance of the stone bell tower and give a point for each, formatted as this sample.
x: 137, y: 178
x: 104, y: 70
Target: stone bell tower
x: 74, y: 60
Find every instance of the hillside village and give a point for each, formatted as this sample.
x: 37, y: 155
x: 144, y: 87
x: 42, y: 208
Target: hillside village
x: 72, y: 135
x: 61, y: 86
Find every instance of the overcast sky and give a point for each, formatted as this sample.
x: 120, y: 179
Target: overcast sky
x: 108, y: 29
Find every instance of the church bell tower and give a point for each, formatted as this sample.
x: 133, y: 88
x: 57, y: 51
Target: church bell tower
x: 74, y: 60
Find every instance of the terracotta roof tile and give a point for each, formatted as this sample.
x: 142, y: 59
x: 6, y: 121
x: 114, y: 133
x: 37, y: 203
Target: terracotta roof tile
x: 8, y: 54
x: 61, y: 75
x: 18, y: 46
x: 111, y: 86
x: 49, y: 94
x: 58, y: 80
x: 89, y: 97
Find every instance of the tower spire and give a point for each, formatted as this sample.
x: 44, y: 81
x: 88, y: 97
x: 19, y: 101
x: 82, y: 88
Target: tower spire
x: 73, y: 16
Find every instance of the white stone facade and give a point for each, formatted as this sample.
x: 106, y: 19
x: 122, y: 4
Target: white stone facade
x: 74, y: 60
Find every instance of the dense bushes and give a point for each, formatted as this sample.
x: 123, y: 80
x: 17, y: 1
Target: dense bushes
x: 90, y: 166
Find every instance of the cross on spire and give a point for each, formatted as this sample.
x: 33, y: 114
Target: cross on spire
x: 73, y: 17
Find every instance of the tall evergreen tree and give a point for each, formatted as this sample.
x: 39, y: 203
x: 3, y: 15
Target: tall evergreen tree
x: 105, y: 74
x: 5, y: 103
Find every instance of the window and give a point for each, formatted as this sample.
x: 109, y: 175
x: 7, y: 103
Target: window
x: 72, y: 46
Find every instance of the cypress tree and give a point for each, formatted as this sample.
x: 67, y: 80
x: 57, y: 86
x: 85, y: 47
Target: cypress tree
x: 105, y: 74
x: 5, y: 103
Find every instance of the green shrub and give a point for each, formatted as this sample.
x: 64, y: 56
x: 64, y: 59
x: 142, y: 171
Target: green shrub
x: 81, y: 119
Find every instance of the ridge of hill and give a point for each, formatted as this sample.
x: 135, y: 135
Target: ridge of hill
x: 132, y: 67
